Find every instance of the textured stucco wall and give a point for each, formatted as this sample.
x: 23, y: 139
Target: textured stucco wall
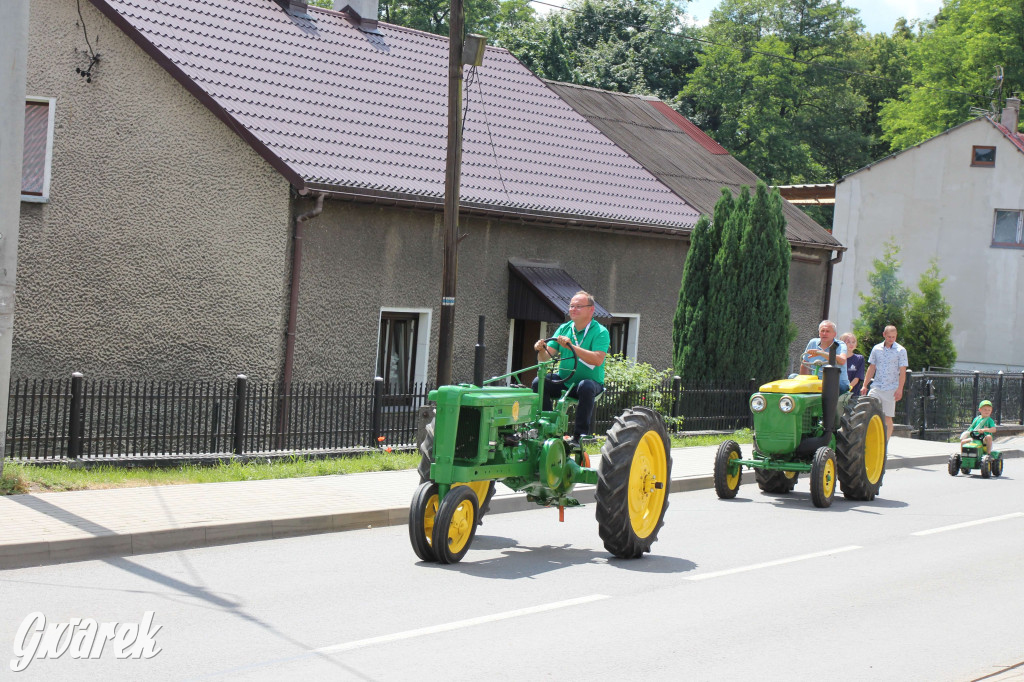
x: 806, y: 299
x: 164, y: 251
x: 358, y: 259
x: 937, y: 205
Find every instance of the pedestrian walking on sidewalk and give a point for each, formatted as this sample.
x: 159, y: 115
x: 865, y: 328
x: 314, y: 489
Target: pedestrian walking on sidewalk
x: 886, y: 375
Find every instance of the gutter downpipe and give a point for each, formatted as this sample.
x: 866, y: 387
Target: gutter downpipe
x: 293, y: 309
x: 828, y: 284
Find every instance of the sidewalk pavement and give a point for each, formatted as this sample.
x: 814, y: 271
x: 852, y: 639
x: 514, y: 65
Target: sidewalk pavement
x: 75, y: 526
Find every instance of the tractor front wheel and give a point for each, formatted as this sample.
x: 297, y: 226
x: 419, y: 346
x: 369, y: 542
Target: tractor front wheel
x: 422, y: 513
x: 986, y: 466
x: 455, y: 524
x: 823, y: 477
x: 484, y: 489
x: 633, y: 483
x: 727, y: 484
x: 954, y: 465
x: 860, y: 449
x: 997, y: 467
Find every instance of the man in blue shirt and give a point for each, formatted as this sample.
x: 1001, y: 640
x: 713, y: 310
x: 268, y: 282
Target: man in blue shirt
x: 590, y: 340
x: 817, y: 351
x: 887, y: 365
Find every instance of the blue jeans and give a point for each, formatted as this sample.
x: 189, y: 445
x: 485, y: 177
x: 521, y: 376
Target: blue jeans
x: 585, y: 391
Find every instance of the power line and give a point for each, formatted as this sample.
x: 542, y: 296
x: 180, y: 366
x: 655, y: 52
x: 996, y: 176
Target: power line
x: 788, y: 58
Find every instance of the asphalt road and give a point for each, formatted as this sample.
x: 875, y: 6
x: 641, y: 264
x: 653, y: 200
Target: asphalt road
x: 924, y: 584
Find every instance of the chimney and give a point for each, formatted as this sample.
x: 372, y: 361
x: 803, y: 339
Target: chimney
x: 1011, y: 114
x: 362, y: 13
x: 300, y: 7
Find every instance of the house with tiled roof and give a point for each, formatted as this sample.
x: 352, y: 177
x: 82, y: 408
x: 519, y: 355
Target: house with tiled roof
x: 257, y: 186
x: 696, y: 168
x: 957, y: 198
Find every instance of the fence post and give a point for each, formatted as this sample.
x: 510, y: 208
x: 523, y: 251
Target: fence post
x: 75, y: 423
x: 908, y: 384
x: 478, y: 357
x: 239, y: 424
x: 677, y: 387
x: 974, y: 405
x: 999, y: 399
x: 378, y: 411
x: 1022, y: 398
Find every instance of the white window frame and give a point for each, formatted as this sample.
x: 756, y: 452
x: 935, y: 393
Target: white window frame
x: 51, y: 108
x: 634, y: 329
x: 1020, y: 229
x: 511, y: 343
x: 423, y: 334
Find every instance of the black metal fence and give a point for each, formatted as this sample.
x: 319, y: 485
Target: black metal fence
x: 92, y: 419
x: 939, y: 405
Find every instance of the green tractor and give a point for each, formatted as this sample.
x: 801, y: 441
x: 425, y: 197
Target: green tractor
x: 483, y: 434
x: 973, y: 456
x: 803, y: 425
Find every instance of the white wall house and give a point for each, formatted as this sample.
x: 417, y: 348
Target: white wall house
x: 957, y: 197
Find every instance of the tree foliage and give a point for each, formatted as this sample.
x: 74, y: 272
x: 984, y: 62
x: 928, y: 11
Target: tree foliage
x: 735, y: 290
x: 927, y: 324
x: 886, y: 304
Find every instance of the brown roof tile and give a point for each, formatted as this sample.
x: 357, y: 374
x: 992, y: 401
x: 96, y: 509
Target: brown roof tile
x: 334, y: 107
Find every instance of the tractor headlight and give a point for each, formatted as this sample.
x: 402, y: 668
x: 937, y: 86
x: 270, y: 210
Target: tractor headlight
x: 786, y: 404
x: 757, y: 403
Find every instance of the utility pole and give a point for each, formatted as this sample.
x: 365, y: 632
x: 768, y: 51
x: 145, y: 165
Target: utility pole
x: 453, y: 167
x: 13, y: 60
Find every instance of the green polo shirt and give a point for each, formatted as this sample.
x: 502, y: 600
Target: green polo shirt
x: 594, y: 337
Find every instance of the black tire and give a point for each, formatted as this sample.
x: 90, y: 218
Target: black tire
x: 997, y: 467
x: 823, y: 477
x: 633, y: 483
x: 455, y: 524
x: 986, y: 466
x: 954, y: 465
x: 861, y: 449
x: 725, y: 485
x: 422, y: 513
x: 427, y: 458
x: 965, y: 471
x: 779, y: 482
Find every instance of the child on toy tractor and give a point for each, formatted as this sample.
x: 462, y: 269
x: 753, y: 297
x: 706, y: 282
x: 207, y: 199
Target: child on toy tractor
x: 982, y: 428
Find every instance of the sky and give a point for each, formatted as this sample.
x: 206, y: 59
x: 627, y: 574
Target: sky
x: 878, y: 16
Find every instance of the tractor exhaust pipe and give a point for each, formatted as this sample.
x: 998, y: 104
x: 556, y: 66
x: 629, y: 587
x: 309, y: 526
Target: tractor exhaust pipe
x: 829, y: 403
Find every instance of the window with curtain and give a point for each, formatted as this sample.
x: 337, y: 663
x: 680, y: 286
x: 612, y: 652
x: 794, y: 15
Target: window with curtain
x: 1008, y: 230
x: 396, y: 351
x: 35, y: 167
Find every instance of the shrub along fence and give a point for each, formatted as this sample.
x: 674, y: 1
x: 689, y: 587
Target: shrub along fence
x: 99, y: 419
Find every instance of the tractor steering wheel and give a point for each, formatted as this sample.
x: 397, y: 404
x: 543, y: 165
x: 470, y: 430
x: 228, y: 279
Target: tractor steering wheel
x: 977, y: 435
x: 553, y: 369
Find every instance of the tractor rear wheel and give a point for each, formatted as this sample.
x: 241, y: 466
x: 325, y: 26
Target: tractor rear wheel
x: 823, y: 477
x: 986, y: 466
x: 860, y: 449
x: 954, y: 465
x: 726, y: 484
x: 633, y: 483
x: 997, y: 467
x: 484, y: 489
x: 780, y: 482
x: 455, y: 524
x: 422, y: 513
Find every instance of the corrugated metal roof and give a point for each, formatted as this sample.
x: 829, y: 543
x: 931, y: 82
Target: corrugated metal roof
x: 542, y: 291
x: 332, y: 106
x: 679, y: 154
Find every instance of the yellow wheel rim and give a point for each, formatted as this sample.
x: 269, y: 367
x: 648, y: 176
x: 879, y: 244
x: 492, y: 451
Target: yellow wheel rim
x: 429, y: 514
x: 733, y: 480
x: 874, y: 449
x: 790, y: 474
x: 828, y: 478
x: 461, y: 527
x: 649, y: 468
x: 480, y: 488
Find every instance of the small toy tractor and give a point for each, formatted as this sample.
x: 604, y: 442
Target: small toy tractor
x: 804, y: 425
x: 973, y: 456
x: 483, y: 434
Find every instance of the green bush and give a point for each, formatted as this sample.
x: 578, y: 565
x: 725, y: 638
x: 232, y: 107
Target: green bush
x: 632, y: 383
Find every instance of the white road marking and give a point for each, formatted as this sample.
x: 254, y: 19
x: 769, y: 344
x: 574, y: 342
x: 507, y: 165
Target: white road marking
x: 968, y: 524
x: 470, y: 622
x: 768, y: 564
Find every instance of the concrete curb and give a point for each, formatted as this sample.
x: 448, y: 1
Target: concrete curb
x: 22, y: 555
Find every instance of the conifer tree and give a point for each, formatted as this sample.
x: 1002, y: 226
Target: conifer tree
x: 690, y: 331
x: 725, y: 304
x: 928, y: 324
x: 887, y: 302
